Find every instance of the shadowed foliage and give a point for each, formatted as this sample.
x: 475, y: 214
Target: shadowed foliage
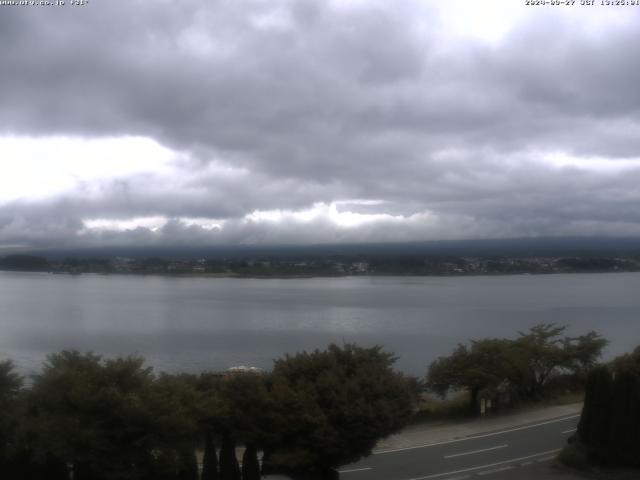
x: 516, y: 369
x: 609, y: 428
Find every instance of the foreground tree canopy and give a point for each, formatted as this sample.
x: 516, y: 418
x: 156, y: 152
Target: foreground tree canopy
x: 354, y: 399
x: 520, y: 368
x: 101, y: 419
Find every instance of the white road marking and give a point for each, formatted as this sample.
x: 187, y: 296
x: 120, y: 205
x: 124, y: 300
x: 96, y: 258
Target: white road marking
x: 546, y: 459
x: 495, y: 470
x: 570, y: 430
x: 476, y: 451
x: 480, y: 467
x: 485, y: 435
x: 355, y: 470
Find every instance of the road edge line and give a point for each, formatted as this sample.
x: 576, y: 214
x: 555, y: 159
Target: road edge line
x: 473, y: 437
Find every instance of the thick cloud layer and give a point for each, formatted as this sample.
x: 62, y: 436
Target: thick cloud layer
x: 304, y: 121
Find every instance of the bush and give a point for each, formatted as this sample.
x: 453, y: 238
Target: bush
x: 574, y: 456
x: 609, y: 427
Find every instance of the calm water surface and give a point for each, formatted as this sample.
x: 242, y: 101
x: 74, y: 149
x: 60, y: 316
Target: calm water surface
x: 195, y: 324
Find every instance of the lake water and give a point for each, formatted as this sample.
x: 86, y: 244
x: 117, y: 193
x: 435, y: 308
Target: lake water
x: 195, y: 324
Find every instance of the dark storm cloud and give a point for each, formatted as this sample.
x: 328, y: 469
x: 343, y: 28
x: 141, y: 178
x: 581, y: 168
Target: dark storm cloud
x: 327, y: 101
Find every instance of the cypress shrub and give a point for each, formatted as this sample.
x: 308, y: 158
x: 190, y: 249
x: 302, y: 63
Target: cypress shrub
x: 610, y: 423
x: 165, y: 466
x: 229, y: 468
x: 595, y: 420
x: 250, y: 464
x: 187, y: 465
x: 210, y: 459
x: 623, y: 447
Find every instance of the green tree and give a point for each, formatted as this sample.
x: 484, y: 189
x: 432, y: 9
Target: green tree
x: 243, y: 407
x: 629, y: 363
x: 544, y: 351
x: 176, y: 405
x: 485, y: 364
x: 523, y: 366
x: 113, y: 414
x: 584, y: 352
x: 547, y: 353
x: 331, y: 407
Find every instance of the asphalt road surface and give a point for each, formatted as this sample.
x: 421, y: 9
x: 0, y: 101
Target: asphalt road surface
x: 503, y: 454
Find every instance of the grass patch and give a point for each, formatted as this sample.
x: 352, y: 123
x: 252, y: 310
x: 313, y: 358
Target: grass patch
x: 567, y: 398
x: 455, y: 406
x: 432, y: 407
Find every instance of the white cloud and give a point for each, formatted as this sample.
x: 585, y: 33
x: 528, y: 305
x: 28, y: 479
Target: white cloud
x: 593, y: 163
x: 486, y: 20
x: 41, y: 167
x: 322, y: 212
x: 106, y: 224
x: 298, y: 120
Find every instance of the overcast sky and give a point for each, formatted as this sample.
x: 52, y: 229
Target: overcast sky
x: 290, y: 121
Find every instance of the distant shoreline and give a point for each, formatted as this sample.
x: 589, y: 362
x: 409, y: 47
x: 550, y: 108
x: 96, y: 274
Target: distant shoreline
x: 302, y: 277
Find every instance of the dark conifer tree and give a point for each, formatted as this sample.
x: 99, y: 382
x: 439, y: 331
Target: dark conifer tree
x: 187, y: 465
x: 596, y: 415
x: 55, y: 469
x: 610, y: 422
x: 622, y: 447
x: 229, y: 468
x: 210, y: 459
x: 83, y: 471
x: 250, y: 464
x: 165, y: 466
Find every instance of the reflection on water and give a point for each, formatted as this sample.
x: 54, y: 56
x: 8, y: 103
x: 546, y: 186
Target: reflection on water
x: 202, y: 323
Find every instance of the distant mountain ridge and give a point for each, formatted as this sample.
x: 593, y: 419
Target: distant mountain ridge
x: 516, y: 247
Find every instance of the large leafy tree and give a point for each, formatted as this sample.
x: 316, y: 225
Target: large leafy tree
x: 330, y: 407
x: 547, y: 353
x: 629, y: 364
x: 523, y: 365
x: 485, y: 364
x: 175, y: 403
x: 112, y: 419
x: 101, y: 407
x: 243, y: 406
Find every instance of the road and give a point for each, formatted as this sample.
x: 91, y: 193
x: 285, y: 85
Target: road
x: 492, y: 455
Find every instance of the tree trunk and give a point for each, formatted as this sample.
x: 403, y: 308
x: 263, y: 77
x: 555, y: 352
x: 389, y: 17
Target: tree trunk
x: 473, y: 404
